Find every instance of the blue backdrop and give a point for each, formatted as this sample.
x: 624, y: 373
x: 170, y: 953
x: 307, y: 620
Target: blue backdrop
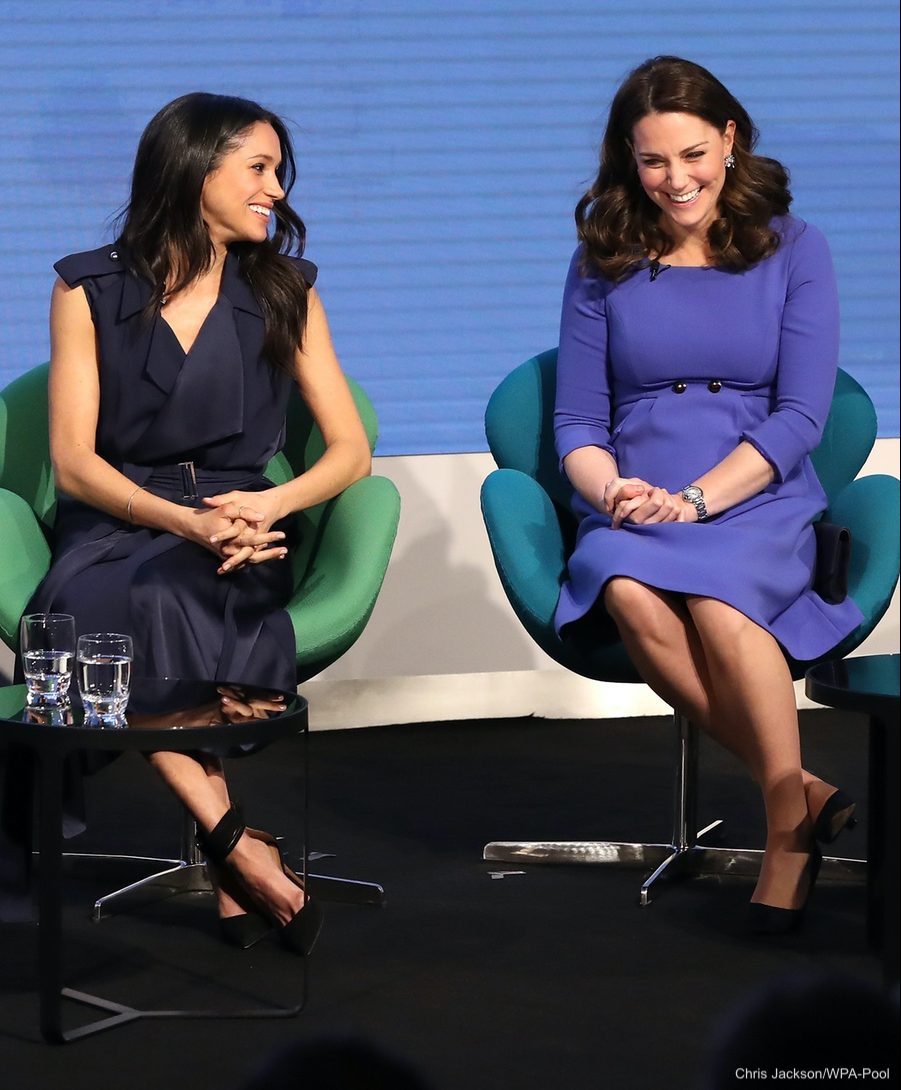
x: 441, y: 151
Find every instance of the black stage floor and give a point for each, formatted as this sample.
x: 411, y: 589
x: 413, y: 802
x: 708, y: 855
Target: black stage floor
x: 554, y: 978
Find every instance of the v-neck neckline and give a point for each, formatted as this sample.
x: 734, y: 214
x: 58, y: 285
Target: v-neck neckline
x: 187, y: 351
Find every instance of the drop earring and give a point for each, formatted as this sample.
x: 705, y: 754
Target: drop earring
x: 729, y: 161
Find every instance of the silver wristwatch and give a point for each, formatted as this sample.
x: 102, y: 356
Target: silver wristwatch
x: 693, y: 495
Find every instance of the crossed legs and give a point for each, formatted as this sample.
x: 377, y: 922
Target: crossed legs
x: 729, y: 676
x: 198, y: 781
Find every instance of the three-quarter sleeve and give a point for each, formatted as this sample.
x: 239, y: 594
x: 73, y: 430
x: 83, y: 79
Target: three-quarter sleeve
x: 808, y: 356
x: 582, y: 408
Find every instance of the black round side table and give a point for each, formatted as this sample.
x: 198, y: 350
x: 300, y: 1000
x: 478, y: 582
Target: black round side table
x: 163, y: 714
x: 869, y: 684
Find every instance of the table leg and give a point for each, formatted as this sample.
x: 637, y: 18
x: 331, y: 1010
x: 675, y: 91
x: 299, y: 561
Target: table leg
x: 50, y: 832
x: 883, y: 846
x: 49, y: 780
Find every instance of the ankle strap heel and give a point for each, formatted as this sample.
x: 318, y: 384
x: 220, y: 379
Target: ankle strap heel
x: 220, y: 841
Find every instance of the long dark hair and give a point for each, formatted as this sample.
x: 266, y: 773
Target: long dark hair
x: 161, y: 230
x: 619, y: 225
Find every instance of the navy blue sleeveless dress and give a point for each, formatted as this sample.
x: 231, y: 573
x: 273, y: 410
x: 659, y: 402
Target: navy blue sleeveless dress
x: 220, y: 407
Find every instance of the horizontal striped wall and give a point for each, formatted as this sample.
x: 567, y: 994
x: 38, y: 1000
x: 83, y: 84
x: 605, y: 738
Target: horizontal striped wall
x: 441, y: 152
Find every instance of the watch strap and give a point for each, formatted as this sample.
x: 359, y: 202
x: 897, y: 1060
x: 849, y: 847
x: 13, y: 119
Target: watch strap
x: 695, y: 496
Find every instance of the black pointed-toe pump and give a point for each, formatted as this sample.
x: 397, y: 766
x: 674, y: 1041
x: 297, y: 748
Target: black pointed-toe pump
x: 766, y: 919
x: 299, y: 934
x: 836, y: 815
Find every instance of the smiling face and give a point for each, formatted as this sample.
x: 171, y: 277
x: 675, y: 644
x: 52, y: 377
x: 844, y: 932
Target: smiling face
x: 680, y: 159
x: 238, y: 196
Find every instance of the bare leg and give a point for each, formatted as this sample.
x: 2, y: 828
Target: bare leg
x: 660, y: 636
x: 752, y: 683
x: 818, y: 792
x: 199, y: 783
x: 695, y: 653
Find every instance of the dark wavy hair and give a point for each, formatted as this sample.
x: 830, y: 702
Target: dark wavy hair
x: 619, y: 225
x: 163, y: 235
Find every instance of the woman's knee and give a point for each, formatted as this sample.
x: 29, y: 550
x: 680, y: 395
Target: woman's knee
x: 725, y: 631
x: 633, y: 605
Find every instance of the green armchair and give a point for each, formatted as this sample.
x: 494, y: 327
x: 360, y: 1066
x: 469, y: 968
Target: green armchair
x: 338, y: 568
x: 532, y: 531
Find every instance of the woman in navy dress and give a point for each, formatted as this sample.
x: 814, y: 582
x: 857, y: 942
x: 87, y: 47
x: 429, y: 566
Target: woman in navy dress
x: 697, y: 361
x: 173, y: 354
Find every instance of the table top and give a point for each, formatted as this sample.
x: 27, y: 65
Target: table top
x: 163, y: 713
x: 868, y: 683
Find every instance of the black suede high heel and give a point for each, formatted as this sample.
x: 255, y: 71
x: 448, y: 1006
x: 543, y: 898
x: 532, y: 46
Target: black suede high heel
x: 769, y: 920
x: 300, y: 933
x: 836, y: 815
x: 247, y: 928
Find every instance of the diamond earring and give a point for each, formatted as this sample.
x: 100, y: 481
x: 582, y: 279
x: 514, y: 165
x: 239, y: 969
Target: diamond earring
x: 729, y: 161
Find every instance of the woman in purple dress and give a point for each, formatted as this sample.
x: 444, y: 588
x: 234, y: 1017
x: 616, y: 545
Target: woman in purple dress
x: 173, y: 354
x: 697, y: 361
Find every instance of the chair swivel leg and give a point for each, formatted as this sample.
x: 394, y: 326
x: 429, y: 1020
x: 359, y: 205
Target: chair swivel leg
x: 690, y: 858
x: 188, y: 874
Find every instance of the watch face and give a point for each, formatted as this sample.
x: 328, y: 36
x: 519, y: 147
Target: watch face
x: 693, y: 495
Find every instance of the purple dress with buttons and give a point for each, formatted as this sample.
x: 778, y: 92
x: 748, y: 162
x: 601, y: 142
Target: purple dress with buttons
x: 669, y: 374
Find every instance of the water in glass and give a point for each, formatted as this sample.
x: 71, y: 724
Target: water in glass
x: 104, y: 676
x: 48, y: 650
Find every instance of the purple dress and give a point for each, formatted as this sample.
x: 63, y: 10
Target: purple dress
x: 222, y: 407
x: 669, y: 375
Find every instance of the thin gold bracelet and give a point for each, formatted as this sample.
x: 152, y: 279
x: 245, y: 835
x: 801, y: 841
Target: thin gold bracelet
x: 140, y: 488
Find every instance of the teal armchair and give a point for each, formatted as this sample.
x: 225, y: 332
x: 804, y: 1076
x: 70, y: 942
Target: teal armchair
x: 532, y: 531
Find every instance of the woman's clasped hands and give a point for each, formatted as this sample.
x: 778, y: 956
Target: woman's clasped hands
x: 243, y: 533
x: 630, y: 499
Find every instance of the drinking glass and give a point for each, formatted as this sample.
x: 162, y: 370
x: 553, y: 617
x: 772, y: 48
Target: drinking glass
x: 47, y: 642
x: 104, y: 676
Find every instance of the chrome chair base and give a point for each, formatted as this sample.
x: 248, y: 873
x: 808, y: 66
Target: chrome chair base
x: 185, y: 874
x: 347, y: 891
x: 182, y: 878
x: 666, y: 861
x: 185, y: 877
x: 684, y: 857
x: 188, y: 874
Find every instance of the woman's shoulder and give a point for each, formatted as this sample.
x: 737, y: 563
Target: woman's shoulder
x: 794, y: 231
x: 75, y: 268
x: 803, y: 248
x: 307, y: 269
x: 587, y: 274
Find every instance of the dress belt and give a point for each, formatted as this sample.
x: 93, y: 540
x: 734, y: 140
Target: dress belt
x: 193, y: 481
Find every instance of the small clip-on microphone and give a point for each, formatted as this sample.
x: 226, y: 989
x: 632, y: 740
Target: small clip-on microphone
x: 657, y: 268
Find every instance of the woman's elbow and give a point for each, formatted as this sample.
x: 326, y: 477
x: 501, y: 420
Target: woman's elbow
x: 71, y: 464
x: 353, y: 458
x: 65, y: 476
x: 362, y: 466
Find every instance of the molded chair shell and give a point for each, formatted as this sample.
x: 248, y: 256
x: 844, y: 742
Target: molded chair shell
x: 338, y: 569
x: 525, y: 504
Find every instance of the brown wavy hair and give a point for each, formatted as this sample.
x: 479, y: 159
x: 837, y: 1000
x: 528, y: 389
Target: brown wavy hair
x: 620, y: 226
x: 161, y: 230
